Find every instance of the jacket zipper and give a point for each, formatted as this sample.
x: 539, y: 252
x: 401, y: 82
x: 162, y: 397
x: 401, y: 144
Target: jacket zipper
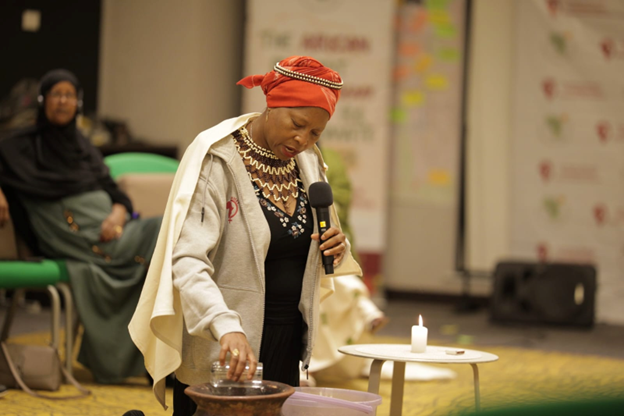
x: 251, y: 241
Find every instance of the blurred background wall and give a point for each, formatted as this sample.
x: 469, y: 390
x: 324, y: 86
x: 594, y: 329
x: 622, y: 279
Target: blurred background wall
x: 168, y: 69
x: 489, y: 133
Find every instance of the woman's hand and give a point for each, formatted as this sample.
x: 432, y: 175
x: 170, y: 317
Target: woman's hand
x: 240, y: 351
x: 112, y: 226
x: 4, y: 210
x: 332, y: 243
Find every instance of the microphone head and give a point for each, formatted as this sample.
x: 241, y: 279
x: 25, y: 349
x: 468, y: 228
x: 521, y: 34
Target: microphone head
x: 320, y: 195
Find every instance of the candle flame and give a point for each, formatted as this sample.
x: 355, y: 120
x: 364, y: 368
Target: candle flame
x: 420, y: 320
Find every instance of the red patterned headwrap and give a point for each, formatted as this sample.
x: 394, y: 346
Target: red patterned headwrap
x: 298, y: 81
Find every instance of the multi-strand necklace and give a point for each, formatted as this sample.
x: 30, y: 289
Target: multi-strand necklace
x: 277, y: 179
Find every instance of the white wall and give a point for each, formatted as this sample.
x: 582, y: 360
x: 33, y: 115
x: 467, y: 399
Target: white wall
x: 170, y: 68
x: 489, y: 135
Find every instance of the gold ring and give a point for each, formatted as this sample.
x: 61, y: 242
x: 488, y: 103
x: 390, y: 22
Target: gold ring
x: 235, y: 352
x: 118, y: 229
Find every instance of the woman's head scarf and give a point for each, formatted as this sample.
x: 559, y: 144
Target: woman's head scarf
x: 298, y: 81
x: 51, y: 78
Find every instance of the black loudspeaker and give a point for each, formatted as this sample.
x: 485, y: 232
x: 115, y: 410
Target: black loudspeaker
x: 544, y: 293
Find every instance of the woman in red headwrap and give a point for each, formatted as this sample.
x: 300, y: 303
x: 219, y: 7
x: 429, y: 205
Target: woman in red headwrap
x: 236, y: 276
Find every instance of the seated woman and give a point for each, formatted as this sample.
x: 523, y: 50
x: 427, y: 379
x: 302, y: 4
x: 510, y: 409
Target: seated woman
x: 65, y: 205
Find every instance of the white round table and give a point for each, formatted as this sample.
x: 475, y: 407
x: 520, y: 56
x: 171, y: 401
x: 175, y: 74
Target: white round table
x: 401, y: 354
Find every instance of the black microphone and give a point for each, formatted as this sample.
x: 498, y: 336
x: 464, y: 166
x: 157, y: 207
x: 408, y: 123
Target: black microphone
x: 321, y: 197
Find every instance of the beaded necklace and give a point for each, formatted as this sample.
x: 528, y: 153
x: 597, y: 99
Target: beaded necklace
x: 277, y: 179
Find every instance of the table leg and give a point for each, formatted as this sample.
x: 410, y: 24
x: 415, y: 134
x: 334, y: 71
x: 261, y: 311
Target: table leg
x: 398, y: 383
x: 375, y: 376
x: 475, y: 371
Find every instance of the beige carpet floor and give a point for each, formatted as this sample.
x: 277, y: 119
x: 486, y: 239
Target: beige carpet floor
x: 520, y: 377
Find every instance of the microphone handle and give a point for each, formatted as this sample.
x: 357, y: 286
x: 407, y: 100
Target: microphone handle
x: 324, y: 224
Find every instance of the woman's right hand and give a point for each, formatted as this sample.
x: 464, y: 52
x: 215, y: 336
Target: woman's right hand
x: 240, y: 351
x: 4, y: 210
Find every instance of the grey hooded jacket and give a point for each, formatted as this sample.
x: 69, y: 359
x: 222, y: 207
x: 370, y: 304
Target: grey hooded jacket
x: 218, y: 261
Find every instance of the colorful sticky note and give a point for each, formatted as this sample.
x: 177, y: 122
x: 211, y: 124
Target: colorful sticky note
x: 423, y: 63
x: 408, y: 49
x: 398, y: 115
x: 439, y: 17
x: 418, y: 21
x: 439, y: 177
x: 401, y: 72
x: 413, y: 98
x: 436, y: 4
x: 445, y: 30
x: 449, y: 54
x: 436, y: 82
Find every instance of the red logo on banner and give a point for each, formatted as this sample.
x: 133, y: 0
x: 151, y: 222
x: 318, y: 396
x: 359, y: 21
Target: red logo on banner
x: 548, y: 86
x: 545, y: 169
x: 553, y: 5
x: 600, y: 214
x: 607, y: 48
x: 603, y: 129
x: 542, y: 252
x: 612, y: 48
x: 232, y: 207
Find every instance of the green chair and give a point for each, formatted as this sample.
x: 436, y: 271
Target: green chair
x: 51, y: 275
x: 131, y: 162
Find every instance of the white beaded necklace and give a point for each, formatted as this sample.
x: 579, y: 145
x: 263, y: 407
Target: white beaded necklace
x: 277, y: 179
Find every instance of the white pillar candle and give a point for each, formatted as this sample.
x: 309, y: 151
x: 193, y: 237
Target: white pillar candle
x: 419, y: 336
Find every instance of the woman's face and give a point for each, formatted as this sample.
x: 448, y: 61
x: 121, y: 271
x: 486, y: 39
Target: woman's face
x: 61, y: 103
x: 289, y: 131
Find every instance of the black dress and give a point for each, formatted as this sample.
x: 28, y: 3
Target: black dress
x: 284, y: 266
x: 280, y: 350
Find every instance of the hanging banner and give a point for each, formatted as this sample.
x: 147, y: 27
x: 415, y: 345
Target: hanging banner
x: 568, y: 140
x: 355, y: 38
x: 427, y: 102
x: 427, y: 123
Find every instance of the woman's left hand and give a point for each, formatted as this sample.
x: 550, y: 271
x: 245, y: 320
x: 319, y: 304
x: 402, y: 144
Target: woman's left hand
x: 113, y: 225
x: 333, y: 243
